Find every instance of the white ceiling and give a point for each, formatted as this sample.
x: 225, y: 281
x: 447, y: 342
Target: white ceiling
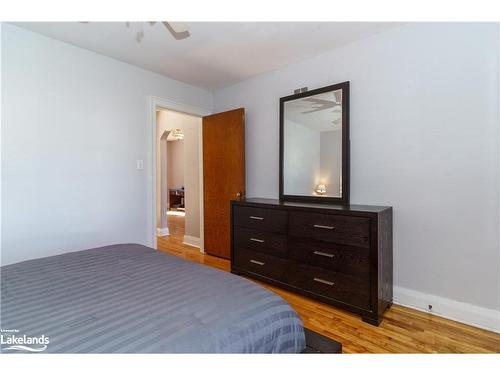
x: 216, y: 54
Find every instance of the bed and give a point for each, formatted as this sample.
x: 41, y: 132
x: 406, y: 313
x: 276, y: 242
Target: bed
x: 130, y: 298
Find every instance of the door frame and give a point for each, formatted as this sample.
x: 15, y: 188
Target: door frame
x: 157, y: 103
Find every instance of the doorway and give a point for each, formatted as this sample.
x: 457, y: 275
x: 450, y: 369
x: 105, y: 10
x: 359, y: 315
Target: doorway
x: 221, y: 177
x: 179, y: 167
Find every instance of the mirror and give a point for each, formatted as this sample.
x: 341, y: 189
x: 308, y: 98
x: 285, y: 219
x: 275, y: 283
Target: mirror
x: 314, y: 145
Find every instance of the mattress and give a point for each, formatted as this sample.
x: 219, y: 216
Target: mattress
x: 130, y: 298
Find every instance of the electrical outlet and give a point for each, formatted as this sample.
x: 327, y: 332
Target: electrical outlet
x: 140, y: 164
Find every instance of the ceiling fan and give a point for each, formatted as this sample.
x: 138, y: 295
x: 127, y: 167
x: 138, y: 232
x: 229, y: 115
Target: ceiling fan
x: 178, y: 30
x: 323, y: 104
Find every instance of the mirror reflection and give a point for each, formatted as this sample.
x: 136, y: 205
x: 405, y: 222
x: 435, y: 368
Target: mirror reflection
x: 312, y: 141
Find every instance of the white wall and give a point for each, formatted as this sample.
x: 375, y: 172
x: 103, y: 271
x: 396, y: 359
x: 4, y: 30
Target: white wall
x: 162, y: 168
x: 175, y: 162
x: 331, y: 161
x: 424, y: 139
x: 302, y: 159
x: 190, y: 126
x: 73, y: 125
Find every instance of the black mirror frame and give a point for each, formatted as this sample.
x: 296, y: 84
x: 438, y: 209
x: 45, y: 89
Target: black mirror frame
x: 344, y: 200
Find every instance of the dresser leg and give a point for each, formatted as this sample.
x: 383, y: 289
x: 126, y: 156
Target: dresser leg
x: 372, y: 321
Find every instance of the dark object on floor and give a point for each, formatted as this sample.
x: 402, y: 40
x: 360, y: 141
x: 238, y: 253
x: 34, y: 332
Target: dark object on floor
x: 319, y: 344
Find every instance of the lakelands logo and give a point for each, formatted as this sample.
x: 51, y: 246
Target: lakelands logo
x: 12, y: 340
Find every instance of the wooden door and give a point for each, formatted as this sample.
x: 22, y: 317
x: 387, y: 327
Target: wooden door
x: 223, y: 176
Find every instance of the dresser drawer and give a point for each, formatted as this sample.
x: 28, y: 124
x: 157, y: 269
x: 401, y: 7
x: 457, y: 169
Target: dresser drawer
x: 261, y: 264
x: 346, y: 230
x: 340, y: 258
x: 345, y: 288
x: 261, y: 218
x: 264, y: 242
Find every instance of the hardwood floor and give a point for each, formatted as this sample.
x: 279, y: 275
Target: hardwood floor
x: 403, y: 330
x: 175, y: 222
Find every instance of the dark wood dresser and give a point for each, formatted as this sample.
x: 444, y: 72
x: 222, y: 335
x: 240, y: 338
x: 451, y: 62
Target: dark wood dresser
x: 340, y: 255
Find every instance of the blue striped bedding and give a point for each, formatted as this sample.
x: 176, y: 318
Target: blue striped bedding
x: 133, y: 299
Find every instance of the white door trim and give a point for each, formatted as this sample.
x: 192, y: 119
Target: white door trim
x: 191, y: 241
x: 154, y: 104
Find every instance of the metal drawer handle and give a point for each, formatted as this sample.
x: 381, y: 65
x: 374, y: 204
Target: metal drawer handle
x: 328, y: 255
x: 256, y: 240
x: 256, y: 218
x: 256, y: 262
x: 322, y: 281
x: 323, y: 227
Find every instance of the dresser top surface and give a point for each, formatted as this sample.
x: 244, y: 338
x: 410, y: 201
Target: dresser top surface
x: 276, y: 202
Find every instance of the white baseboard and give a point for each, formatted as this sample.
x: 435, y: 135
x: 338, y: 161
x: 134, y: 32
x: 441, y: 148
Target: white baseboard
x: 447, y: 308
x: 191, y: 241
x: 162, y: 232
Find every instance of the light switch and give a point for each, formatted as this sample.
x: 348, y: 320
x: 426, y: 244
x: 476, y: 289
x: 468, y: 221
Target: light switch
x: 140, y: 164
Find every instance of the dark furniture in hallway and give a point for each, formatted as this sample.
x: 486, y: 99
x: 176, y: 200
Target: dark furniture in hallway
x: 175, y: 198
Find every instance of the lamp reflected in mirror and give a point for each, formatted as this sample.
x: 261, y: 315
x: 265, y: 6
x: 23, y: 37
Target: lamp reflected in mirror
x: 320, y: 189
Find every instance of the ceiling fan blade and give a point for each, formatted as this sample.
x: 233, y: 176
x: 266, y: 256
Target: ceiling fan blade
x: 319, y: 101
x: 177, y: 29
